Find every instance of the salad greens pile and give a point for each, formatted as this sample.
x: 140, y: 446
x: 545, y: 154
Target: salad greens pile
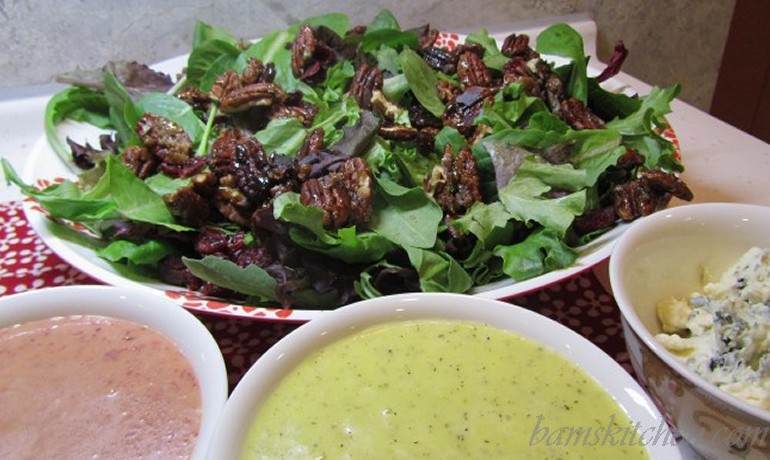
x: 519, y: 230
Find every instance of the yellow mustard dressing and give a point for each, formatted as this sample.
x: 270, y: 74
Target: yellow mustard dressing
x: 440, y: 389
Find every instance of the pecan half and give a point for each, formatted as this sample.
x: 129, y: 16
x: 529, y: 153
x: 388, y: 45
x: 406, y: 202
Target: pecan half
x: 345, y: 196
x: 367, y: 80
x: 471, y: 71
x: 455, y: 182
x: 249, y: 96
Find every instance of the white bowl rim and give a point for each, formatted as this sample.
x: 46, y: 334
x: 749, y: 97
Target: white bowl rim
x: 270, y: 368
x: 153, y: 310
x: 625, y: 244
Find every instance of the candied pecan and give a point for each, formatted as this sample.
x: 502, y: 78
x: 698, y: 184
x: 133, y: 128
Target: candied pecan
x: 651, y: 191
x: 461, y: 112
x: 397, y: 132
x: 440, y: 59
x: 249, y: 170
x: 226, y: 82
x: 665, y: 182
x: 594, y: 220
x: 553, y: 89
x: 426, y: 140
x: 313, y: 143
x: 192, y: 167
x: 257, y: 72
x: 517, y: 45
x: 469, y: 47
x: 578, y: 115
x: 447, y: 91
x: 471, y: 71
x: 205, y: 183
x: 427, y: 37
x: 632, y: 199
x: 246, y: 175
x: 310, y: 57
x: 630, y: 159
x: 249, y: 96
x: 329, y: 195
x: 196, y: 98
x: 345, y: 196
x: 233, y: 247
x: 164, y: 139
x: 305, y: 112
x: 517, y: 71
x: 455, y: 182
x: 140, y: 161
x: 366, y: 81
x: 188, y: 207
x: 458, y: 244
x: 384, y: 106
x: 357, y: 177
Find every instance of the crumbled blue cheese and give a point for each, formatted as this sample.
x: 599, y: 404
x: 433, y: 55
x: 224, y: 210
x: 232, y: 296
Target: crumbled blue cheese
x: 724, y: 332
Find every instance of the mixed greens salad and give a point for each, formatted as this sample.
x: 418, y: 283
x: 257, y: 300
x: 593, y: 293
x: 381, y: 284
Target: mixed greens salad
x: 284, y: 252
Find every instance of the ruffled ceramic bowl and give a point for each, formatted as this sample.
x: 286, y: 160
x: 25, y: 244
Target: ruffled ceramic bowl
x: 662, y: 256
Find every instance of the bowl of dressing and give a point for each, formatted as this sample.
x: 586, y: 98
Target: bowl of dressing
x: 693, y: 286
x: 106, y: 372
x: 438, y: 375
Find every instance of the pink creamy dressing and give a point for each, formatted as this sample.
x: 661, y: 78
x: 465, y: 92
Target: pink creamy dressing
x: 94, y: 387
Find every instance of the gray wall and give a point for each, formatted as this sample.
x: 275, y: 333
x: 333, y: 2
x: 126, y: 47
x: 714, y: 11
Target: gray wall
x: 669, y: 41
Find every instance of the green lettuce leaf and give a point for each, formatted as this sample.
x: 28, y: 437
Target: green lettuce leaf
x: 541, y: 252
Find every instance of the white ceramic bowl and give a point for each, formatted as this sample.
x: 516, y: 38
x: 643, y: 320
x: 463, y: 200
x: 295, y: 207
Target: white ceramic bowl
x: 280, y: 360
x: 662, y: 256
x: 153, y: 310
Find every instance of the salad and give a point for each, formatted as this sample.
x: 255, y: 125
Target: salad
x: 327, y: 162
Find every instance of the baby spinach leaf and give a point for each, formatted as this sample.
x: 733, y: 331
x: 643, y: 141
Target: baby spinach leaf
x: 449, y: 135
x: 162, y: 184
x: 251, y: 280
x: 338, y: 22
x: 123, y: 112
x: 439, y: 272
x: 283, y: 136
x: 63, y: 200
x: 135, y: 200
x: 204, y: 32
x: 383, y: 20
x: 564, y: 41
x: 422, y: 81
x: 174, y: 109
x: 222, y: 53
x: 78, y: 104
x: 405, y: 216
x: 349, y: 246
x: 288, y: 208
x: 609, y: 104
x: 493, y: 58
